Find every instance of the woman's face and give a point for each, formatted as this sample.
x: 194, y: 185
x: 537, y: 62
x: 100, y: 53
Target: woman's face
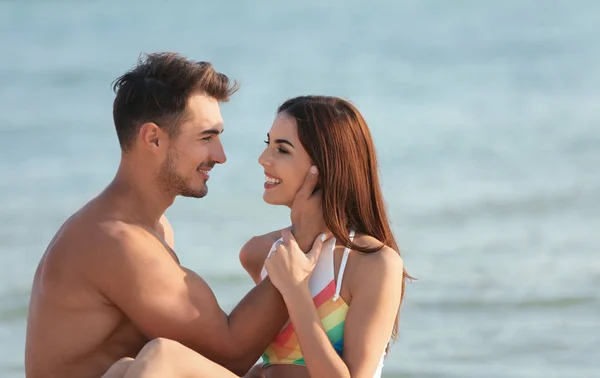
x: 285, y: 161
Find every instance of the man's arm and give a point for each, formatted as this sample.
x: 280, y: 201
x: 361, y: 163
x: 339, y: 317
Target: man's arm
x: 163, y: 299
x: 254, y: 252
x: 137, y: 274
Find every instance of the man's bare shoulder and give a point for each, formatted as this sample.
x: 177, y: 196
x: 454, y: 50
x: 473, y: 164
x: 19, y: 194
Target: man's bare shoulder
x: 86, y: 243
x: 255, y: 251
x: 122, y: 242
x: 82, y: 251
x: 93, y: 234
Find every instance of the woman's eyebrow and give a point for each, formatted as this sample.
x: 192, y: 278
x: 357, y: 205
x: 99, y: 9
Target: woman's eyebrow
x: 284, y: 141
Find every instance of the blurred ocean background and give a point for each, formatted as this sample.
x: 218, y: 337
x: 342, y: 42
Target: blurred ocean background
x: 485, y: 114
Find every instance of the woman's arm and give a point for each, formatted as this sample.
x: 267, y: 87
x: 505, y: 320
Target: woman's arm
x: 319, y: 355
x: 375, y: 289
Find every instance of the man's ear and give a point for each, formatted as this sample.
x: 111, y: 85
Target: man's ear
x: 151, y: 135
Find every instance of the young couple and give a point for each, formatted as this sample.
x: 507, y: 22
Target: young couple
x: 328, y: 288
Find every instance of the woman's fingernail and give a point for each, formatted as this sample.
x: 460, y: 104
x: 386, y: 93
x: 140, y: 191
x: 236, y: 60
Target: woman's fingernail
x: 323, y: 236
x: 314, y: 169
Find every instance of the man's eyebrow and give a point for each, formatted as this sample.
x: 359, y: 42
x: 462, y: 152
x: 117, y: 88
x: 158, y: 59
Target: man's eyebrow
x: 212, y: 131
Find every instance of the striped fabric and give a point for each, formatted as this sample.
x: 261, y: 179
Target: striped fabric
x: 330, y: 307
x: 285, y: 348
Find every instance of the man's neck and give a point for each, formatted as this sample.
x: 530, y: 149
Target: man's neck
x: 139, y: 194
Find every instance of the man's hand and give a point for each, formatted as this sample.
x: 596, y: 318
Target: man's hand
x: 307, y: 211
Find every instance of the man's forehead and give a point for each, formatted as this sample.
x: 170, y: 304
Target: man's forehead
x: 204, y: 113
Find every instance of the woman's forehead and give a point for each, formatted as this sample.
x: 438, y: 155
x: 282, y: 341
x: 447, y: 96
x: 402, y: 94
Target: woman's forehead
x: 284, y: 125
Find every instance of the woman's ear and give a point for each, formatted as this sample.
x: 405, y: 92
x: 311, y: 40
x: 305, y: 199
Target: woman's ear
x: 318, y: 186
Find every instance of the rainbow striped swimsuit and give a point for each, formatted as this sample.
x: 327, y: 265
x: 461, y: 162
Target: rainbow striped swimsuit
x: 330, y: 306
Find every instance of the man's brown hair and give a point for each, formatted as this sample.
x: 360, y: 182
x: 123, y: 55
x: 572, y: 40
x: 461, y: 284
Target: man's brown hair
x: 157, y: 90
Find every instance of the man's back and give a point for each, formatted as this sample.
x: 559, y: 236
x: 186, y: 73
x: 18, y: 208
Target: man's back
x: 73, y: 330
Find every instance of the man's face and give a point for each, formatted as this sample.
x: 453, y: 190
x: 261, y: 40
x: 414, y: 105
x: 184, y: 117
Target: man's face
x: 195, y: 150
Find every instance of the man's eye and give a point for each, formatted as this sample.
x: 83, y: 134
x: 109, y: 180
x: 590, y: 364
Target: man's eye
x: 208, y: 138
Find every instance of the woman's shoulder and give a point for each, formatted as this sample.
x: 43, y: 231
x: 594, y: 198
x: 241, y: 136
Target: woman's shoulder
x: 255, y: 251
x: 382, y: 262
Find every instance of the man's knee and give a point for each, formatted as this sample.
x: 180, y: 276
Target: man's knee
x: 160, y: 348
x: 125, y: 361
x: 119, y: 368
x: 157, y: 358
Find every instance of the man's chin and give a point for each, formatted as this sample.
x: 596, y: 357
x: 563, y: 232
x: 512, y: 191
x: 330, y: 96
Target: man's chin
x: 197, y: 193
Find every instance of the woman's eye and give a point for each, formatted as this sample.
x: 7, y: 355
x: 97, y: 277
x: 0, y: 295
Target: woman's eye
x: 281, y: 150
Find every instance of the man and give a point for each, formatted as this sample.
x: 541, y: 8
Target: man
x: 110, y: 280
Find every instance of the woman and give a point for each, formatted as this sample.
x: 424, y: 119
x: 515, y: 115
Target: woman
x: 343, y: 315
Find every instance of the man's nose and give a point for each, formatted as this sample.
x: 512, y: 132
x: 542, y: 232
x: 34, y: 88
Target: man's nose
x: 219, y: 154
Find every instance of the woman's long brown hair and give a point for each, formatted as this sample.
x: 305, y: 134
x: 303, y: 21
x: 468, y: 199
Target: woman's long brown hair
x: 339, y: 142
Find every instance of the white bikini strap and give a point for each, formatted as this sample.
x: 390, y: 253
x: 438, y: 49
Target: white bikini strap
x: 342, y: 268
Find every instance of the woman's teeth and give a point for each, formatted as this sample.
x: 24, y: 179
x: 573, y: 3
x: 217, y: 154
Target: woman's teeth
x: 272, y: 180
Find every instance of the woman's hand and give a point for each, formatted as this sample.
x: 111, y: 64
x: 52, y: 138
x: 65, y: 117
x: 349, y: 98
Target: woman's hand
x: 307, y: 211
x: 288, y: 267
